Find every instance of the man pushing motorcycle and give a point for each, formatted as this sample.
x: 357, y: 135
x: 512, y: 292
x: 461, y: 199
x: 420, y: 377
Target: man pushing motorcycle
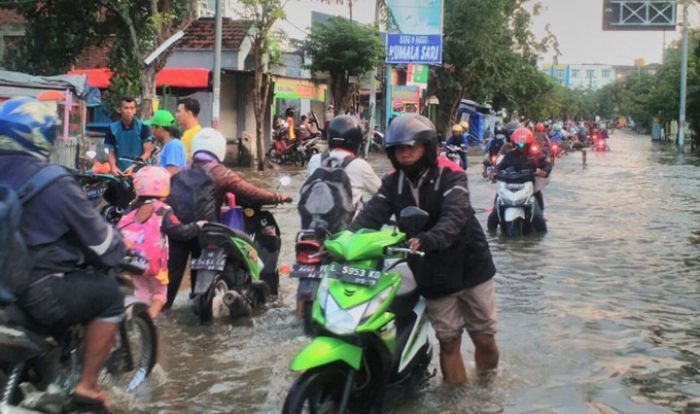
x: 456, y: 274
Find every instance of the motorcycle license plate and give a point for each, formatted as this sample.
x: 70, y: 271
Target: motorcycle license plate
x: 307, y: 271
x: 353, y: 275
x: 204, y: 281
x: 210, y: 260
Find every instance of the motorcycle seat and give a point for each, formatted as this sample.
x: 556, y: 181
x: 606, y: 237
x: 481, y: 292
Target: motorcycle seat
x: 14, y: 315
x: 214, y: 228
x: 407, y: 295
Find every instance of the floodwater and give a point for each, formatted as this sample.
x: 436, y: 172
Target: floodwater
x: 598, y: 316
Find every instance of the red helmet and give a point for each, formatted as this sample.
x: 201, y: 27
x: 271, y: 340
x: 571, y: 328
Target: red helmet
x: 522, y: 137
x: 539, y: 127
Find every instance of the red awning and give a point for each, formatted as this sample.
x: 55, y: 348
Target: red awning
x: 174, y: 78
x: 183, y: 78
x: 96, y: 78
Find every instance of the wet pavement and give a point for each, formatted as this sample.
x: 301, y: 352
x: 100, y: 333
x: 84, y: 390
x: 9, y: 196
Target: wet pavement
x: 598, y: 316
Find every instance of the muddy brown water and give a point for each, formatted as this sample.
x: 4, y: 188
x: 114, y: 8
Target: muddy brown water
x: 598, y: 316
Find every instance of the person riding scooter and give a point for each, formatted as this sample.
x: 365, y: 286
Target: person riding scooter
x: 523, y: 158
x: 458, y: 139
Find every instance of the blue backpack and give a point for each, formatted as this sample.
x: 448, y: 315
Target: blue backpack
x: 15, y: 261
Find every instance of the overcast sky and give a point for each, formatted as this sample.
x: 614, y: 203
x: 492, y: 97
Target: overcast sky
x: 576, y: 23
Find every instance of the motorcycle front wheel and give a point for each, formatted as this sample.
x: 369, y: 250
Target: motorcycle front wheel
x: 205, y: 302
x: 317, y: 391
x: 135, y: 351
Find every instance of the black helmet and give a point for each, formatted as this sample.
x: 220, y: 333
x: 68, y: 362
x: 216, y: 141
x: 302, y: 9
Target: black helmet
x: 344, y: 131
x: 409, y: 129
x: 510, y: 128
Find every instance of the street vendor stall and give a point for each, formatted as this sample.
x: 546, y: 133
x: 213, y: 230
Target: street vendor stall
x: 68, y: 95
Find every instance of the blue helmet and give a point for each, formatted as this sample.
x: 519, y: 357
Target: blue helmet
x: 28, y: 125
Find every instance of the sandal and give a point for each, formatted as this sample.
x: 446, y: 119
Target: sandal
x: 82, y: 404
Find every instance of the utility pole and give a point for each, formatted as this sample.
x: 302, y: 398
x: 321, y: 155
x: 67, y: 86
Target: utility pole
x: 372, y: 88
x: 684, y: 78
x: 216, y: 105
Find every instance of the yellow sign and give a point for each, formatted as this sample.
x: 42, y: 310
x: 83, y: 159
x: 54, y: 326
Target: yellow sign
x: 299, y: 89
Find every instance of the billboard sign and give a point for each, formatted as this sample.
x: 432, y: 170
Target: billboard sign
x: 639, y: 15
x: 414, y: 33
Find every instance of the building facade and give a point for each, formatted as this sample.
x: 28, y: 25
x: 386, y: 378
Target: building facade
x: 591, y: 76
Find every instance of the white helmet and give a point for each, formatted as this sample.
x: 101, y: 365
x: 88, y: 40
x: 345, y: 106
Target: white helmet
x: 211, y: 141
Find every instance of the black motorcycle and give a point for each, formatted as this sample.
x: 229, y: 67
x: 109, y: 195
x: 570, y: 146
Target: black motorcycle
x: 40, y: 367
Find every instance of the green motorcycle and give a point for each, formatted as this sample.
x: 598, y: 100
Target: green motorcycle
x: 372, y: 345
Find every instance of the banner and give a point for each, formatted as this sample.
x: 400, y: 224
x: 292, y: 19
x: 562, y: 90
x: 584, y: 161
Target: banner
x: 299, y: 89
x: 414, y: 32
x: 417, y: 75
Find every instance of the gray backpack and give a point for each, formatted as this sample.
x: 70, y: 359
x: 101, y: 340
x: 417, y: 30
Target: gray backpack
x: 325, y: 199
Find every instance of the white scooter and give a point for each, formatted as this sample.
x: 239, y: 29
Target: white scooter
x: 516, y: 209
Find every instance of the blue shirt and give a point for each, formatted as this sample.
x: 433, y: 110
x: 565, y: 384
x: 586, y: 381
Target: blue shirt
x: 173, y: 154
x: 127, y: 141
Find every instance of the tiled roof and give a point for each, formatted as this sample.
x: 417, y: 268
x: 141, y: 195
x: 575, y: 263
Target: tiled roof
x: 200, y: 34
x: 94, y: 56
x: 10, y: 16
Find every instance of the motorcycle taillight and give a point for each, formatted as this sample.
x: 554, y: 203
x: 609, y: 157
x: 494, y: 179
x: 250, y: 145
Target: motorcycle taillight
x: 308, y: 252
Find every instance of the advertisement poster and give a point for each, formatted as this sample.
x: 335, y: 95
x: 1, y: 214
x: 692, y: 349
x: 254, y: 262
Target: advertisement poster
x: 414, y: 33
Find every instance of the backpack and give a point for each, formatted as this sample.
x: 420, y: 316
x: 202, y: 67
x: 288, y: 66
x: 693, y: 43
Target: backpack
x: 15, y: 260
x: 146, y: 239
x: 192, y: 195
x: 326, y: 196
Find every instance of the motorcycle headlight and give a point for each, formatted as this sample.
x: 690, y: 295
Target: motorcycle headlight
x: 342, y: 321
x: 375, y: 304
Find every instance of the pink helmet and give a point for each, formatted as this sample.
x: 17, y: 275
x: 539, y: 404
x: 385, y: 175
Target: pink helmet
x: 152, y: 182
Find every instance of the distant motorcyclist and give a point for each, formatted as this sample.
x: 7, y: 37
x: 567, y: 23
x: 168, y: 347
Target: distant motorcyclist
x: 493, y: 149
x: 541, y: 138
x: 556, y: 136
x: 524, y: 158
x: 459, y: 139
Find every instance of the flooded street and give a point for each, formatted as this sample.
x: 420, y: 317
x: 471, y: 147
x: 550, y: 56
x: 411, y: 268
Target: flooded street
x: 600, y: 315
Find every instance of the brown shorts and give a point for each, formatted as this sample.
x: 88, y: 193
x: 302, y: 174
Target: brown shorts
x: 473, y: 309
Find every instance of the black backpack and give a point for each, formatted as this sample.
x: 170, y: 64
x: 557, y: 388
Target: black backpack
x: 192, y: 195
x: 15, y: 261
x: 325, y: 199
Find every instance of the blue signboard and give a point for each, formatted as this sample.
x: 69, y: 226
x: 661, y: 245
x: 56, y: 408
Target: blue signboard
x: 414, y: 32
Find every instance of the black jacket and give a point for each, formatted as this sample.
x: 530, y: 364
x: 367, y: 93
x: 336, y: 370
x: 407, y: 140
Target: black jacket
x: 457, y: 253
x: 521, y: 162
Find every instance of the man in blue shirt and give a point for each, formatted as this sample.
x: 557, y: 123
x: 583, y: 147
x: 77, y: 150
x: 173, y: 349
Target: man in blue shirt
x: 173, y: 156
x: 127, y: 137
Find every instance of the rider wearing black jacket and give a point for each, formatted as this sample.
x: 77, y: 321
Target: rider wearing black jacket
x: 523, y: 158
x: 456, y: 273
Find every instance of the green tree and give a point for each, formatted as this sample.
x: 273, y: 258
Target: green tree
x: 344, y: 50
x: 58, y: 31
x: 260, y: 17
x: 54, y: 37
x: 489, y: 56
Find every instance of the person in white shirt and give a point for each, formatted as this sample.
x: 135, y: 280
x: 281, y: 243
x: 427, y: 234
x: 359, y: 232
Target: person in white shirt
x: 344, y: 140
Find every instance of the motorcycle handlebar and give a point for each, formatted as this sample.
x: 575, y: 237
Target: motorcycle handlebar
x: 394, y: 250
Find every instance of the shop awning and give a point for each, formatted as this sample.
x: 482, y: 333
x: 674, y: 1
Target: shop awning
x: 183, y: 78
x: 174, y: 78
x: 96, y: 78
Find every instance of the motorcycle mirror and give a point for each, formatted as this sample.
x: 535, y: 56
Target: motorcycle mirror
x: 412, y: 220
x: 91, y: 155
